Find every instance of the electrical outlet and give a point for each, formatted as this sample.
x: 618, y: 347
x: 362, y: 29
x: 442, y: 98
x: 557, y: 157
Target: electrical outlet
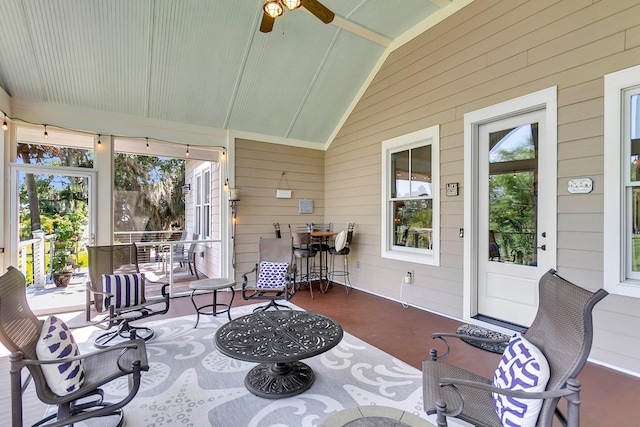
x: 358, y: 265
x: 408, y: 278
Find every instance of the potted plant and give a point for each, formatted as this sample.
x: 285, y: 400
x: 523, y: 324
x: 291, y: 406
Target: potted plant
x: 62, y: 272
x: 62, y: 269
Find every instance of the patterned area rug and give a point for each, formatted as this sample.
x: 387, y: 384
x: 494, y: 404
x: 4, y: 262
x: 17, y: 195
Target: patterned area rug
x: 190, y: 383
x: 480, y: 332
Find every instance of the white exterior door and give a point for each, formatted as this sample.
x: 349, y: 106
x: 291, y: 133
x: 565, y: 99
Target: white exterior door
x: 516, y: 216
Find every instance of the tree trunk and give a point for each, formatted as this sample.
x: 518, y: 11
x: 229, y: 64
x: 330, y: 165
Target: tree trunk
x: 32, y: 193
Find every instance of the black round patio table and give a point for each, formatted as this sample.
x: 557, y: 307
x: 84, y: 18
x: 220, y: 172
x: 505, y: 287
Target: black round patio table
x: 278, y: 340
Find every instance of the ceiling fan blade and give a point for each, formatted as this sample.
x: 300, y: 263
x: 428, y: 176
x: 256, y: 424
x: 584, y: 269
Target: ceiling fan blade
x: 267, y: 23
x: 319, y: 10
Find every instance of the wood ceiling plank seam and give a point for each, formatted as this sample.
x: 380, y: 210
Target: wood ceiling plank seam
x: 313, y: 82
x: 150, y: 50
x: 242, y: 68
x: 59, y: 58
x: 19, y: 33
x: 36, y: 61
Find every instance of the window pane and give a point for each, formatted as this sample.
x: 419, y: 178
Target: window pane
x: 207, y: 187
x: 634, y: 132
x: 199, y: 190
x: 635, y: 227
x: 513, y: 144
x: 41, y: 154
x: 400, y: 170
x: 413, y: 223
x: 206, y: 226
x: 61, y: 148
x: 421, y: 171
x: 512, y: 218
x: 148, y: 197
x: 513, y: 171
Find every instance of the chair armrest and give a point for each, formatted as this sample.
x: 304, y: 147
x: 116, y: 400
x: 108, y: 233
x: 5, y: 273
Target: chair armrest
x: 117, y: 347
x: 245, y: 280
x: 511, y: 393
x: 99, y: 292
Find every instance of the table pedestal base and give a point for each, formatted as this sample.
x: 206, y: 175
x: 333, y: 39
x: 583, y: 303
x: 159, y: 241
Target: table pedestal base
x: 275, y: 381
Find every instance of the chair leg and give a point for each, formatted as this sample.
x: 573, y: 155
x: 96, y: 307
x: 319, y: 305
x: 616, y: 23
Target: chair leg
x: 441, y: 418
x: 344, y: 273
x: 16, y: 390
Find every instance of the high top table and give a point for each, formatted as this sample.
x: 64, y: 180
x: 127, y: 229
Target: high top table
x: 278, y: 340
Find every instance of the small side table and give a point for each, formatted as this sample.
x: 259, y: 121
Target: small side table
x: 208, y: 285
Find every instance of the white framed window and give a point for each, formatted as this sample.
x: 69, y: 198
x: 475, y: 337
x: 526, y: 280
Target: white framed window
x: 202, y: 202
x: 411, y: 197
x: 622, y: 182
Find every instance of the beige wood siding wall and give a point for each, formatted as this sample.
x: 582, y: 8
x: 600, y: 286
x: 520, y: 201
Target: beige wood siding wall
x: 489, y: 52
x: 258, y: 172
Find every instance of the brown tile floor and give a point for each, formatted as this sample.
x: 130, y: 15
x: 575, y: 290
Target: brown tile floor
x: 609, y: 398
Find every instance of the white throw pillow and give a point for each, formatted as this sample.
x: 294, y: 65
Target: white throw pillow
x: 56, y: 342
x: 341, y: 241
x: 272, y: 274
x: 523, y: 367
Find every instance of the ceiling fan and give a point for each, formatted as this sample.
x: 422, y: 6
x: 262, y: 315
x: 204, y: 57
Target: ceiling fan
x: 274, y: 8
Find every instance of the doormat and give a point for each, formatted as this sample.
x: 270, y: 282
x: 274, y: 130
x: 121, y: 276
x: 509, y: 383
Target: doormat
x: 480, y: 332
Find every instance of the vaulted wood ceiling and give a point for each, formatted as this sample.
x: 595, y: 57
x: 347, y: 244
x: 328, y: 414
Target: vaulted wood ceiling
x: 204, y: 62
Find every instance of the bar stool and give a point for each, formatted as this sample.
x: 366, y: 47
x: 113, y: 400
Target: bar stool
x: 302, y: 250
x: 321, y: 246
x: 341, y: 248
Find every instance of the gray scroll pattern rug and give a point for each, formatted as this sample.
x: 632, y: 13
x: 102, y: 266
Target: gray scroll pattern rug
x: 190, y: 383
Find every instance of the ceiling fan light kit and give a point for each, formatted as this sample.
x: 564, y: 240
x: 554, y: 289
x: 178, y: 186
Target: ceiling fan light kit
x: 275, y: 8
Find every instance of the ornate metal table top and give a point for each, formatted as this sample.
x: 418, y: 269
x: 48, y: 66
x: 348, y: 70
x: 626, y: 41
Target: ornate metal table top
x: 278, y: 336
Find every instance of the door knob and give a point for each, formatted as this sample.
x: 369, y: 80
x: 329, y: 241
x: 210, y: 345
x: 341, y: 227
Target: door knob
x: 543, y: 247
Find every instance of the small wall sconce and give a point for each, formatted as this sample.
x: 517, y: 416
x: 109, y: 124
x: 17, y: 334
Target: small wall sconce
x: 186, y: 189
x: 234, y: 195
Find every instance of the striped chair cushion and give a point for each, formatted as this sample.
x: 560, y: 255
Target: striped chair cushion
x: 272, y: 274
x: 127, y: 289
x: 523, y: 367
x: 56, y: 342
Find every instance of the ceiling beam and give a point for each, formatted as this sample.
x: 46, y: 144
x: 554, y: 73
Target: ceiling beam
x: 441, y: 3
x: 358, y: 30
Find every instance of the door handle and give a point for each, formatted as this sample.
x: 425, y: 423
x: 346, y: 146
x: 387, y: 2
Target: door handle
x: 543, y: 247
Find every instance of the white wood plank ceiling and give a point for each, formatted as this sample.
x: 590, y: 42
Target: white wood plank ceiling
x: 202, y: 62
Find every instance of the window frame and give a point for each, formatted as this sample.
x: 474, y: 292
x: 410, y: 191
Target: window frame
x: 202, y: 201
x: 421, y: 138
x: 618, y: 89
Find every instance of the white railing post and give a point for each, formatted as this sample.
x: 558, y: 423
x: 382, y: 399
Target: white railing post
x: 39, y: 271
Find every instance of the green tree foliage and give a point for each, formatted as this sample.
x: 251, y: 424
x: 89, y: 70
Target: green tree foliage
x: 148, y: 192
x: 512, y: 206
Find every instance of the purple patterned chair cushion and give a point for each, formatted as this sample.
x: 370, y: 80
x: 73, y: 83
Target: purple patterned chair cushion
x: 272, y: 274
x: 523, y: 367
x: 126, y: 289
x: 56, y: 342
